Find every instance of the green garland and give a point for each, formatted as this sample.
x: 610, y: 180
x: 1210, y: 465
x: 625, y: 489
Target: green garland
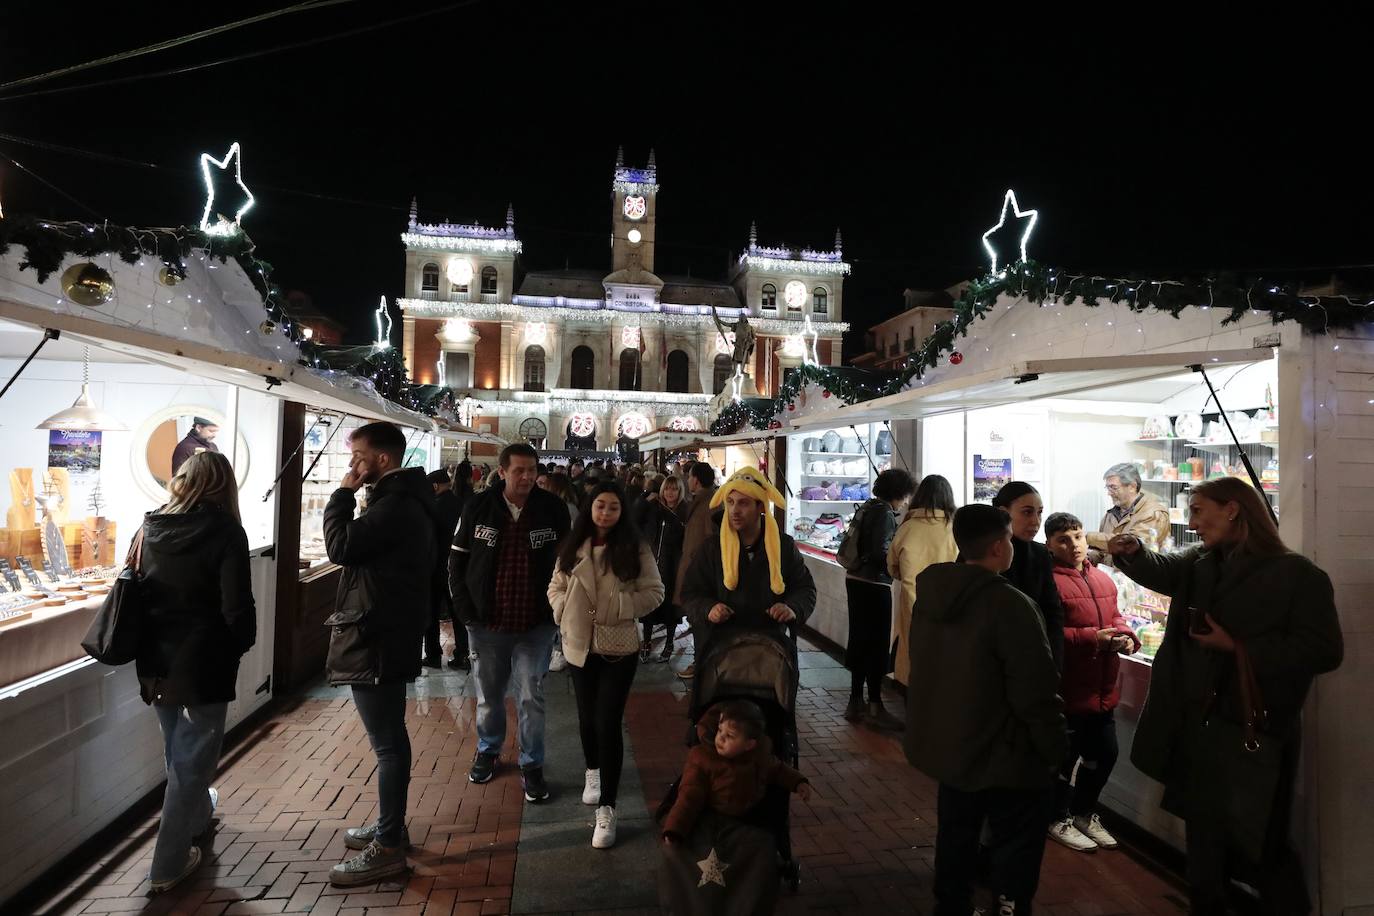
x: 1039, y: 284
x: 47, y: 243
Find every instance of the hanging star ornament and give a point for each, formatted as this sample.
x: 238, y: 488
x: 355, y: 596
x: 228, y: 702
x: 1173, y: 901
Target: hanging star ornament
x: 222, y: 225
x: 712, y: 870
x: 1031, y: 215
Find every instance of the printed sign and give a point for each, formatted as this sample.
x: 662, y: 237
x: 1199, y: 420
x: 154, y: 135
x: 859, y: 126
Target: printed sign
x: 989, y: 476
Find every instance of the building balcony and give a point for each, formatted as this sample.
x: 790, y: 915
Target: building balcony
x: 429, y: 295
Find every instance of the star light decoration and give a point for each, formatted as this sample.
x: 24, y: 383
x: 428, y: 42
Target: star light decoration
x: 223, y: 226
x: 383, y: 340
x: 712, y: 870
x: 1032, y: 215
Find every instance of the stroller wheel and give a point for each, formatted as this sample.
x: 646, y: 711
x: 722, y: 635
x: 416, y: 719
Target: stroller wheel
x: 791, y: 873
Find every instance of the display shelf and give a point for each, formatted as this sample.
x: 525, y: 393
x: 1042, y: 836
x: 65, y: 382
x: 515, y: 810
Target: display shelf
x: 1167, y: 480
x: 1222, y: 448
x: 847, y: 502
x: 838, y: 476
x: 1157, y: 440
x: 840, y: 454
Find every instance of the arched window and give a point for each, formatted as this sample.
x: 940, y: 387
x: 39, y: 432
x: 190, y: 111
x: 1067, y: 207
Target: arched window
x: 534, y: 368
x: 429, y: 277
x: 631, y: 376
x: 769, y: 299
x: 677, y: 371
x: 820, y: 300
x: 583, y: 368
x: 723, y: 369
x: 489, y: 279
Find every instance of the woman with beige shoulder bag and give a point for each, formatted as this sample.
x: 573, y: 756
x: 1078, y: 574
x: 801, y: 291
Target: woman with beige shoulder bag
x: 605, y: 580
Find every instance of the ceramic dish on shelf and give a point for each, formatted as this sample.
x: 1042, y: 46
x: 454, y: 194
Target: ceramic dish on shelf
x: 1157, y: 427
x: 1188, y: 425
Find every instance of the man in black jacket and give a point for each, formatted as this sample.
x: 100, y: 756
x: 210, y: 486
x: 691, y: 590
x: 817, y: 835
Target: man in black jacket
x: 754, y: 577
x: 449, y: 507
x: 384, y: 600
x: 499, y: 570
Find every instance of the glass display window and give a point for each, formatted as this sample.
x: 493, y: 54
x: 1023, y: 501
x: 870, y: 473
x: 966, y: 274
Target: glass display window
x: 830, y: 473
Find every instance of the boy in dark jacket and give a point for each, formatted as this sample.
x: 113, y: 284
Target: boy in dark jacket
x: 729, y: 769
x: 1094, y: 632
x: 984, y: 716
x: 387, y: 555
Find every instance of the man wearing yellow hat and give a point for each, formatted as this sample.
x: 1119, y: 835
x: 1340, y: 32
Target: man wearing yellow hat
x: 757, y: 577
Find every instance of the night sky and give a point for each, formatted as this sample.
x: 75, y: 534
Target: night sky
x: 1152, y: 153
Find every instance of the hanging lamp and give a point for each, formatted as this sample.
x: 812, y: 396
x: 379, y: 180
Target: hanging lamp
x: 83, y: 415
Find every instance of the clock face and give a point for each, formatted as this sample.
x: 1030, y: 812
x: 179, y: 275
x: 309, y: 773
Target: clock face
x: 794, y: 294
x: 635, y: 207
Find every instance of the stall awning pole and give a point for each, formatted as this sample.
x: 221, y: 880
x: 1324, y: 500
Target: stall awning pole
x: 48, y: 334
x: 287, y: 463
x: 867, y: 452
x: 1245, y: 459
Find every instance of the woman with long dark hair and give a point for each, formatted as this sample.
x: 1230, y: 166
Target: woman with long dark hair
x: 924, y: 538
x: 605, y: 580
x: 867, y: 653
x: 1032, y: 567
x: 1250, y: 625
x: 199, y: 619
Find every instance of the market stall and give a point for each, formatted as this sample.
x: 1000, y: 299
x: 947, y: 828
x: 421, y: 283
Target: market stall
x: 1056, y: 395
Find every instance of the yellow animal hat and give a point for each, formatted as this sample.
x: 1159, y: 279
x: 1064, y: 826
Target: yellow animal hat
x: 751, y: 482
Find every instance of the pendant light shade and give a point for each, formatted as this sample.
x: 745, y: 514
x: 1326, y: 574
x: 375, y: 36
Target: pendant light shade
x: 84, y: 414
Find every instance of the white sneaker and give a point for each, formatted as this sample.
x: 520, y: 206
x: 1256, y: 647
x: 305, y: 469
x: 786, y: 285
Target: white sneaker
x: 557, y: 662
x: 1066, y: 833
x: 1091, y: 827
x: 603, y: 837
x: 591, y: 789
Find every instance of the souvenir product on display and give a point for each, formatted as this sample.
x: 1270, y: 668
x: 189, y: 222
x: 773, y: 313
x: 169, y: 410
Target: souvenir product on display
x: 884, y: 444
x: 1219, y: 471
x: 1181, y: 501
x: 1196, y: 465
x: 811, y: 444
x: 1269, y: 477
x: 1157, y: 428
x: 832, y: 490
x: 1188, y: 425
x: 816, y: 467
x: 854, y: 491
x: 1151, y: 635
x: 1158, y: 469
x: 1170, y: 472
x: 855, y: 467
x: 813, y: 493
x: 830, y: 442
x: 849, y: 445
x: 835, y: 467
x: 1240, y: 422
x: 804, y: 526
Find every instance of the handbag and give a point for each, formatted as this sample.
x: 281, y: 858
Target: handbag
x: 1250, y: 761
x: 113, y: 636
x: 615, y: 639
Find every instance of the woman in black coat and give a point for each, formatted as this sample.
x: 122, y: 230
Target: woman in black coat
x: 1242, y: 603
x: 663, y: 520
x: 868, y: 651
x: 1032, y: 568
x: 198, y: 620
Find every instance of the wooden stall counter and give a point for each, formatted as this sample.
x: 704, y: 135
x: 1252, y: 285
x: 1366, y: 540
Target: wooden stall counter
x: 51, y: 636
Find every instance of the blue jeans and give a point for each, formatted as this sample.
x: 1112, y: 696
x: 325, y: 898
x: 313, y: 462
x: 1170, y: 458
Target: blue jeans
x: 192, y: 737
x: 511, y: 660
x: 382, y: 707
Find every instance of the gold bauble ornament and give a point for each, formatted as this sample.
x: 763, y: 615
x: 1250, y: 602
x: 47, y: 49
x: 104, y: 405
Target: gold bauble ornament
x: 267, y: 326
x: 88, y: 284
x: 167, y: 278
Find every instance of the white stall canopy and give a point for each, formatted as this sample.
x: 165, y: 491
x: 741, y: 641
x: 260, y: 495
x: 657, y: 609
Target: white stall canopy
x: 1029, y: 380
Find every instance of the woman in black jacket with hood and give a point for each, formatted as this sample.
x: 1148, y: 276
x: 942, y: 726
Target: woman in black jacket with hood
x: 1032, y: 569
x: 199, y: 619
x: 663, y: 520
x: 868, y: 651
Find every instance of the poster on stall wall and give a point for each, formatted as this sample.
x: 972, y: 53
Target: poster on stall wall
x: 78, y: 453
x: 989, y: 476
x: 1029, y: 447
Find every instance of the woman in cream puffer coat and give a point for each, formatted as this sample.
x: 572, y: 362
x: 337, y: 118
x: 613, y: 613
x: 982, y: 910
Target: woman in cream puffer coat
x: 606, y: 578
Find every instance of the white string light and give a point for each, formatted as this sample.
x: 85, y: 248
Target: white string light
x: 383, y: 337
x: 1033, y: 215
x: 223, y: 226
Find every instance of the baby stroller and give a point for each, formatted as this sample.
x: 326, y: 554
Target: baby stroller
x: 759, y: 665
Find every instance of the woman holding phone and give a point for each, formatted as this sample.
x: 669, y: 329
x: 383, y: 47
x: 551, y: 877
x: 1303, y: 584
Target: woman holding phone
x: 1221, y: 724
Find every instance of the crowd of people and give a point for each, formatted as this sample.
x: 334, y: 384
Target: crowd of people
x: 1010, y: 648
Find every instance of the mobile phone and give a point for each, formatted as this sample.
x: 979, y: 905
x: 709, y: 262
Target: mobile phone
x: 1197, y: 621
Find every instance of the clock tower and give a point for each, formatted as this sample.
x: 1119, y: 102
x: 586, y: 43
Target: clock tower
x: 634, y: 210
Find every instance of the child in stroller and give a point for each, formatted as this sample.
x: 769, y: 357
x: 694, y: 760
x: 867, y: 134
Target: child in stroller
x: 729, y: 769
x: 757, y: 667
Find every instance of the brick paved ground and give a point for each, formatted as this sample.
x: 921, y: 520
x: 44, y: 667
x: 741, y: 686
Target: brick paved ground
x: 289, y: 789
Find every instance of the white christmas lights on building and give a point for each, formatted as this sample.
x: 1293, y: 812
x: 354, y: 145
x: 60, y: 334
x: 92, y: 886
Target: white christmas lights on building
x: 481, y: 311
x: 536, y: 332
x: 1010, y: 200
x: 221, y: 225
x: 459, y: 271
x: 382, y: 315
x: 418, y: 241
x: 789, y: 266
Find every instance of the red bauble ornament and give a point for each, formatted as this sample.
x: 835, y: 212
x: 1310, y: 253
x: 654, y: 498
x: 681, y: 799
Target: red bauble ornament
x: 776, y: 424
x: 825, y: 394
x: 791, y: 406
x: 955, y: 358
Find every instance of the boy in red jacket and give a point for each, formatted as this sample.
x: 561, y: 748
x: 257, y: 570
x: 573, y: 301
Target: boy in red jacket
x: 1094, y: 634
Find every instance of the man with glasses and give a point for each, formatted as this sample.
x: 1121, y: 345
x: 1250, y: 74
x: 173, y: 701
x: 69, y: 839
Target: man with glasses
x: 1132, y: 512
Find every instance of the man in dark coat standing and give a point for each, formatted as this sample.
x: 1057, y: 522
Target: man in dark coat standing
x: 200, y: 438
x: 448, y: 506
x: 383, y: 605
